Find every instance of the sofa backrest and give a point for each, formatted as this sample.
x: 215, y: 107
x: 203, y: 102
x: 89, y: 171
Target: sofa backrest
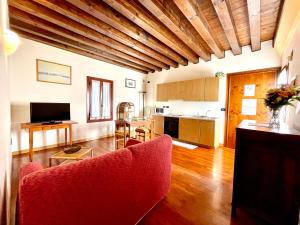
x: 112, y: 189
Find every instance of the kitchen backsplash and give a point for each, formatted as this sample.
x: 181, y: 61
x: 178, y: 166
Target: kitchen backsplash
x: 193, y: 108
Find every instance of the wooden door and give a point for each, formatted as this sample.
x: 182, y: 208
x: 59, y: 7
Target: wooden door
x: 239, y: 105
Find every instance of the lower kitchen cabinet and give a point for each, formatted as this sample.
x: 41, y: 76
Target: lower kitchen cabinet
x: 189, y: 130
x: 201, y: 132
x: 209, y: 133
x: 158, y: 125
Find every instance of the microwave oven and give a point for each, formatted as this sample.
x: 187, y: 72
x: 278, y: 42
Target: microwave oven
x: 162, y: 110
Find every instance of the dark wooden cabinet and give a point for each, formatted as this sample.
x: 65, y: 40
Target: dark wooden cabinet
x: 267, y: 173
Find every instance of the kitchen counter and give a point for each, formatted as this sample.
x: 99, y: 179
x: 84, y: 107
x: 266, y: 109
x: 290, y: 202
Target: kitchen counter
x: 202, y: 131
x: 188, y: 117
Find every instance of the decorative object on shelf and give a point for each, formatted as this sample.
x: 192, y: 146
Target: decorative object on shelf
x: 276, y: 98
x: 130, y: 83
x: 53, y: 72
x: 220, y: 74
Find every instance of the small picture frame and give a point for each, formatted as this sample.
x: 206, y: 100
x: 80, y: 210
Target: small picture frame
x: 129, y: 83
x: 52, y: 72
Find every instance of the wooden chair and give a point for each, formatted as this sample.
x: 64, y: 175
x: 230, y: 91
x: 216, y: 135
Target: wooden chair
x: 121, y: 135
x: 142, y: 132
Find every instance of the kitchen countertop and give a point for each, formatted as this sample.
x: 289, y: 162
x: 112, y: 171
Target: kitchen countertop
x: 188, y: 117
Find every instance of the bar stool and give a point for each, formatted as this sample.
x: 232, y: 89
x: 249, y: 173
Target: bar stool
x: 142, y: 132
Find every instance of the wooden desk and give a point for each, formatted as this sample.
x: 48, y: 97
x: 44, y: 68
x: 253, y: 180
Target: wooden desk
x: 32, y: 127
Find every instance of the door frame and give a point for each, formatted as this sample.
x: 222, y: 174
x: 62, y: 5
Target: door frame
x: 229, y: 75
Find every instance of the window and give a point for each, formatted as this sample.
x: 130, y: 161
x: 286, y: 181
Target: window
x: 283, y: 77
x: 99, y: 99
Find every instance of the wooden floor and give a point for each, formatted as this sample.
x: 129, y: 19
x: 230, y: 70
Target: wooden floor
x: 200, y: 191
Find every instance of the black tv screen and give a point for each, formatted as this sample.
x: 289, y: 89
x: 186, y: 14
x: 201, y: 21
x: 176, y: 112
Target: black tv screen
x: 49, y: 112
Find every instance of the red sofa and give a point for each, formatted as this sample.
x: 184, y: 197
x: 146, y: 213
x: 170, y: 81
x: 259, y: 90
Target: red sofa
x: 117, y: 188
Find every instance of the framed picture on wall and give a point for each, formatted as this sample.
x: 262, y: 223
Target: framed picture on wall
x: 130, y: 83
x: 52, y: 72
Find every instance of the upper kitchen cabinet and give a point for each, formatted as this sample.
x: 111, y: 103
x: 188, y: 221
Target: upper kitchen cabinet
x: 204, y: 89
x: 194, y: 90
x: 168, y: 91
x: 211, y: 90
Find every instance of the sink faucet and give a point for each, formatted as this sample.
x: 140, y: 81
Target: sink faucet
x: 207, y: 112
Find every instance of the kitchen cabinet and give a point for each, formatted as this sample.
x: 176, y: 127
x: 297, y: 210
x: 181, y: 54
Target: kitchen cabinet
x: 201, y: 132
x: 161, y: 93
x: 168, y: 91
x: 189, y: 130
x: 194, y: 90
x: 158, y: 125
x: 211, y: 90
x: 203, y: 89
x: 209, y: 133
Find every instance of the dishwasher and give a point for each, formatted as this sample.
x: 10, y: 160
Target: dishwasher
x: 171, y: 126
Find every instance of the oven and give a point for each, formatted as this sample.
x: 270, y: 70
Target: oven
x: 171, y: 126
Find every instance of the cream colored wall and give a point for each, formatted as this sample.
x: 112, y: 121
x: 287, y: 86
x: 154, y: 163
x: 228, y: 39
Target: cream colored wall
x: 267, y: 57
x: 289, y: 22
x: 5, y: 155
x: 25, y: 89
x: 293, y: 44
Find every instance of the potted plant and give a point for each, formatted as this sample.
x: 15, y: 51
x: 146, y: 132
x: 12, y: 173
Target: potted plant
x: 220, y: 74
x: 276, y: 98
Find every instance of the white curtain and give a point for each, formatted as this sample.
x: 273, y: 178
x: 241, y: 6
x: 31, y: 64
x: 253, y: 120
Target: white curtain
x: 106, y: 100
x: 95, y: 99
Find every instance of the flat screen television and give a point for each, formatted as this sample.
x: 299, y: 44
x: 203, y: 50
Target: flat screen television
x: 41, y: 112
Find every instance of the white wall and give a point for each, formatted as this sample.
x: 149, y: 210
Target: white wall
x: 5, y: 155
x: 293, y: 113
x: 267, y: 57
x: 25, y: 89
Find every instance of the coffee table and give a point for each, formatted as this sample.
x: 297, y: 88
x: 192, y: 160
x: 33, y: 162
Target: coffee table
x: 73, y: 156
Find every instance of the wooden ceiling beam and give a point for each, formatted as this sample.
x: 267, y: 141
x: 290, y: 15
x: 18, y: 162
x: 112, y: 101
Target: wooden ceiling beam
x: 42, y: 12
x: 105, y: 13
x: 143, y: 18
x: 57, y: 38
x: 74, y: 50
x: 227, y: 23
x: 73, y: 13
x: 254, y: 23
x: 191, y: 10
x: 168, y: 13
x: 42, y: 24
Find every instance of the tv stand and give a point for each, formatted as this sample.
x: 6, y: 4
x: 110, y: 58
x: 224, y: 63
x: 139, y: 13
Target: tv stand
x: 32, y: 127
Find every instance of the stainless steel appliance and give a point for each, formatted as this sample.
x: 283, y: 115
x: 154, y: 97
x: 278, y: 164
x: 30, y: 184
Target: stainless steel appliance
x: 159, y: 110
x: 171, y: 126
x: 162, y: 110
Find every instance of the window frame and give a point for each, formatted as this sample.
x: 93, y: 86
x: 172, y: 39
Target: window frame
x: 89, y: 96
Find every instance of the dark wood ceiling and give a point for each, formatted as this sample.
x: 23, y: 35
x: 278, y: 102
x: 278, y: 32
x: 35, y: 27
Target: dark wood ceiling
x: 147, y: 35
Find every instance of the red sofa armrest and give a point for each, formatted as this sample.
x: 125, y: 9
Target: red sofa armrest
x: 132, y: 142
x: 29, y: 168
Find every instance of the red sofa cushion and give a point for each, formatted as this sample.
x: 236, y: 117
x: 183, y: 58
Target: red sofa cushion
x: 112, y: 189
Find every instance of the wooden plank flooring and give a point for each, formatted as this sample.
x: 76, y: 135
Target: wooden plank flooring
x: 200, y: 191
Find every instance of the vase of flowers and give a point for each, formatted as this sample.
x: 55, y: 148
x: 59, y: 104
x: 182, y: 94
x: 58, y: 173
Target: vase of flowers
x: 276, y: 98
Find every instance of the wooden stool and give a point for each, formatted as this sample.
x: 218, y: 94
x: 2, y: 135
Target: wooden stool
x: 120, y: 137
x: 141, y: 132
